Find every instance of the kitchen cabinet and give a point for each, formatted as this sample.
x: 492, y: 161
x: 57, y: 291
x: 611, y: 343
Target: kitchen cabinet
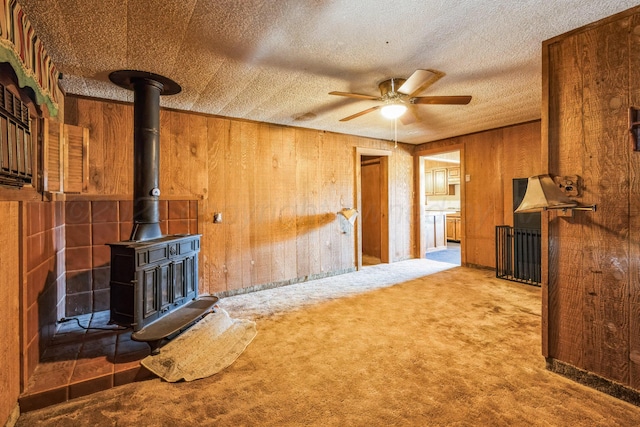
x: 453, y: 175
x: 440, y: 185
x: 428, y: 183
x: 441, y: 181
x: 454, y: 228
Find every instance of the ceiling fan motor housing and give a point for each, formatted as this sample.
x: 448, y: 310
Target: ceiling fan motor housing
x: 389, y: 88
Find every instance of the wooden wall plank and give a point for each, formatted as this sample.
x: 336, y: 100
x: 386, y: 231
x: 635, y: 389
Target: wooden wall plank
x: 304, y: 147
x: 565, y: 322
x: 521, y: 159
x: 233, y: 215
x: 166, y: 152
x: 213, y: 252
x: 328, y: 206
x: 345, y: 160
x: 197, y: 151
x: 278, y: 234
x: 634, y: 214
x: 262, y: 221
x: 288, y: 205
x: 178, y: 160
x: 605, y: 160
x: 10, y: 350
x: 484, y: 198
x: 331, y: 196
x: 247, y: 142
x: 117, y: 148
x: 90, y: 116
x: 316, y: 214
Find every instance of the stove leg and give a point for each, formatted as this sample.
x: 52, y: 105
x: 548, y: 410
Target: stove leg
x: 153, y: 345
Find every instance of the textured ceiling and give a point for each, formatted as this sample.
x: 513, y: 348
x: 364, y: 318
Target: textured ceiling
x: 276, y: 60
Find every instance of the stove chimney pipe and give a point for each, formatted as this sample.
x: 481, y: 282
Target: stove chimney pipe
x: 147, y: 88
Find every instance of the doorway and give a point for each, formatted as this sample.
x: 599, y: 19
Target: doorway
x: 371, y: 215
x: 372, y: 203
x: 440, y: 204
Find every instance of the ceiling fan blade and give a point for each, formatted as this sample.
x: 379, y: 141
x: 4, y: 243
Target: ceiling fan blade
x: 419, y: 81
x: 452, y: 100
x: 361, y: 113
x: 409, y: 117
x: 355, y: 95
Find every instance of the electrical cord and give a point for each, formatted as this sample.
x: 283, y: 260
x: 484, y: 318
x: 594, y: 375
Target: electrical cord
x: 68, y: 319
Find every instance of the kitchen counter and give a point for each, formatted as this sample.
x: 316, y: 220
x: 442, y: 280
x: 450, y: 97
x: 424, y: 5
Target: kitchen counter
x: 435, y: 229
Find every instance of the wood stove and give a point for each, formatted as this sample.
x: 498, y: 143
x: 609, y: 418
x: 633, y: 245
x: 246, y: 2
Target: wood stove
x: 154, y: 278
x: 151, y: 278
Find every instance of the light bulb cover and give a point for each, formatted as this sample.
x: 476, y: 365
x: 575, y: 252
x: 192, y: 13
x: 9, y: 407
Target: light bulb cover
x: 393, y: 111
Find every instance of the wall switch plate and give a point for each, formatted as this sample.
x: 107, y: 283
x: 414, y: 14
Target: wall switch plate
x: 467, y: 178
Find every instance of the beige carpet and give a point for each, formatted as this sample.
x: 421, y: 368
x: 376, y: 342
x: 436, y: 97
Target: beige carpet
x: 205, y: 349
x: 387, y: 346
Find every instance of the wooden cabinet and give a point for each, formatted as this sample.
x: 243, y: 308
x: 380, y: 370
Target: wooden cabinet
x: 440, y: 181
x: 453, y: 175
x: 428, y: 183
x: 454, y: 228
x: 440, y: 185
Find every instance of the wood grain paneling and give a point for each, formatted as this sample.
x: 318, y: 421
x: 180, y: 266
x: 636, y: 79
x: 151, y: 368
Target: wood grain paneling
x: 605, y: 160
x: 521, y: 159
x: 278, y: 189
x: 565, y: 322
x: 591, y: 79
x: 491, y: 160
x: 483, y: 207
x: 213, y: 252
x: 10, y: 313
x: 634, y: 216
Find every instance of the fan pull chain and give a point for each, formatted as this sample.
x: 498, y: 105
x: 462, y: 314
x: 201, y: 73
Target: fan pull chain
x: 395, y: 132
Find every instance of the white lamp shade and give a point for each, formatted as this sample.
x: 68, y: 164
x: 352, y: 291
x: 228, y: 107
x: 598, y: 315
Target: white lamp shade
x: 393, y: 111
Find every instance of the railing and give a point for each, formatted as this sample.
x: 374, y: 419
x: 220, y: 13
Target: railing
x: 518, y: 254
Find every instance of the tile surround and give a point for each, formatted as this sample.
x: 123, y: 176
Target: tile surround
x: 80, y: 362
x: 44, y: 230
x: 67, y: 274
x: 93, y: 224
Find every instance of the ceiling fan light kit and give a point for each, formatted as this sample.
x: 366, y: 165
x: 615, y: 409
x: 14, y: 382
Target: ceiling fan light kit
x: 397, y: 93
x: 393, y: 110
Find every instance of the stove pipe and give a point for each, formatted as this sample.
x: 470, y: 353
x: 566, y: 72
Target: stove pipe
x: 147, y: 88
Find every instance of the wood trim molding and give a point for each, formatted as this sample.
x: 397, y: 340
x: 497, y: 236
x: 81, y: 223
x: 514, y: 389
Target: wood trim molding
x: 419, y: 216
x: 384, y: 237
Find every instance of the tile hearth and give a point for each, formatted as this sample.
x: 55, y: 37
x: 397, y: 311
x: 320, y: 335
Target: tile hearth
x: 79, y: 362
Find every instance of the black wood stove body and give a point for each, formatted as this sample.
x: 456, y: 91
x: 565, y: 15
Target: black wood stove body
x: 154, y: 277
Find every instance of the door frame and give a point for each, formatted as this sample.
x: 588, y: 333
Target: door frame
x: 385, y: 252
x: 419, y: 215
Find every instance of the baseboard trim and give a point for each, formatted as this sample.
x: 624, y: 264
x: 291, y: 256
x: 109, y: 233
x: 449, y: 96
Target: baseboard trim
x: 273, y: 285
x: 594, y: 381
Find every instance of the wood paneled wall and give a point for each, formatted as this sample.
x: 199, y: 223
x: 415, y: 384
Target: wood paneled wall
x: 491, y: 159
x: 278, y: 189
x: 10, y: 313
x: 592, y: 316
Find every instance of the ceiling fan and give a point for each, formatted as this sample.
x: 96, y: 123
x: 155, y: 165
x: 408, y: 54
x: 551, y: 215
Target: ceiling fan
x: 396, y: 94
